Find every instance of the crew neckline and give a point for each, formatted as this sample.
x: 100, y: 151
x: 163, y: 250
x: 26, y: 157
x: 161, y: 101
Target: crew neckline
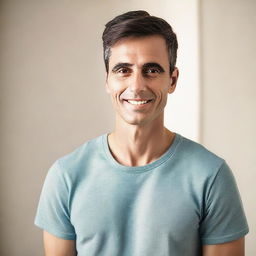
x: 143, y: 168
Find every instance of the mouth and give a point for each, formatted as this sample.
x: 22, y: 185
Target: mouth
x: 138, y: 102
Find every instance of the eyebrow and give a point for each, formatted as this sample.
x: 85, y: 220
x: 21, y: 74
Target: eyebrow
x: 121, y: 65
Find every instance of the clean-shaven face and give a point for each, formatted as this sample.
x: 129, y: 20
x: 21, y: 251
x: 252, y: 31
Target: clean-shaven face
x: 139, y: 79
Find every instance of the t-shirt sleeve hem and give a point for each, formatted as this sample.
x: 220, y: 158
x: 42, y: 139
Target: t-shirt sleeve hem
x: 225, y: 239
x: 62, y: 235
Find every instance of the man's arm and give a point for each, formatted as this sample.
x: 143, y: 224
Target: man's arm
x: 55, y: 246
x: 234, y: 248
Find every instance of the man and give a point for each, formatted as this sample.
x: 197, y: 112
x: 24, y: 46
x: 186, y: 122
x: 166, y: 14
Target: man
x: 141, y: 190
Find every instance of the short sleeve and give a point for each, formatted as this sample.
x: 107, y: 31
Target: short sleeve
x: 224, y: 218
x: 53, y: 209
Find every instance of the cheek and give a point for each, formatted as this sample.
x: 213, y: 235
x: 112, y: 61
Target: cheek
x: 162, y: 92
x: 162, y: 95
x: 114, y: 86
x: 115, y: 94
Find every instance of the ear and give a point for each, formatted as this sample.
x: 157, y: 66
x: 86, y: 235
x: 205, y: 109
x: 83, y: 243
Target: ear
x: 173, y: 80
x: 106, y: 83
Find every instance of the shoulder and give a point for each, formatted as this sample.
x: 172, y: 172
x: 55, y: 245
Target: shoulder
x: 198, y: 158
x: 74, y: 163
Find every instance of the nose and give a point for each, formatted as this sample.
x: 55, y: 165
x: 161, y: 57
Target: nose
x: 137, y: 82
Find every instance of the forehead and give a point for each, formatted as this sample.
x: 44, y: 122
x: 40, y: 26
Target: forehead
x: 140, y: 50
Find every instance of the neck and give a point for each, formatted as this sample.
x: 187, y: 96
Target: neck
x: 135, y: 145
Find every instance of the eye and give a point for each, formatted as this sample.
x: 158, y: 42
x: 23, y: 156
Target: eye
x: 152, y: 72
x: 123, y: 70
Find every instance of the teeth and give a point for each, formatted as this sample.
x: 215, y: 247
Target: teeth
x: 137, y: 102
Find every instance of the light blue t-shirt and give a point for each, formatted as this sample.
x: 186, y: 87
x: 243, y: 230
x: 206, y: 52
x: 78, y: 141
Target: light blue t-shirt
x: 172, y: 206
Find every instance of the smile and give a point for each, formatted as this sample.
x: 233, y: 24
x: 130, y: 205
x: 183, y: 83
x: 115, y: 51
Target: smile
x: 138, y: 102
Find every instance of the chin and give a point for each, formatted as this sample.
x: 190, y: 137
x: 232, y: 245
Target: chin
x: 138, y: 122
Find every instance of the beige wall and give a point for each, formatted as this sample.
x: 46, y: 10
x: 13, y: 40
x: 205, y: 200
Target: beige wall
x: 228, y: 93
x: 50, y: 96
x: 52, y: 88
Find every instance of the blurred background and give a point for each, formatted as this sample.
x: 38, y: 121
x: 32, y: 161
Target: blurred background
x: 52, y: 96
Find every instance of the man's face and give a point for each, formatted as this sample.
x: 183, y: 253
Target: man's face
x: 139, y: 79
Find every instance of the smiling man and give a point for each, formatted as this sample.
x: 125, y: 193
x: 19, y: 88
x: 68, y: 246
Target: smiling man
x: 141, y: 190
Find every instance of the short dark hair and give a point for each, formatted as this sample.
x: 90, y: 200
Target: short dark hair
x: 138, y: 24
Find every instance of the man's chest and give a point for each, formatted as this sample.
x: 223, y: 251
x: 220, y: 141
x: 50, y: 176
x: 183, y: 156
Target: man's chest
x: 136, y: 213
